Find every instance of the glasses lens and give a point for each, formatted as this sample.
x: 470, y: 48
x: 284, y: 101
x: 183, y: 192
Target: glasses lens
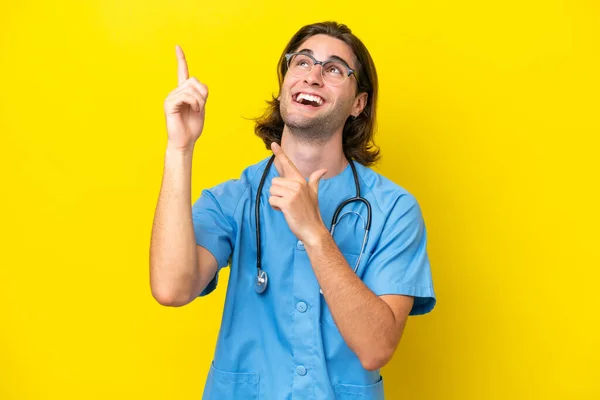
x: 335, y: 73
x: 300, y: 64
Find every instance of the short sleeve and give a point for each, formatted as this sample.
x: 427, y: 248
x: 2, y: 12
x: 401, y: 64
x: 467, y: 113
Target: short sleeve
x: 400, y: 264
x: 212, y: 216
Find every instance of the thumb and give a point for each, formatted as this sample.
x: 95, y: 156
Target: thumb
x: 315, y: 177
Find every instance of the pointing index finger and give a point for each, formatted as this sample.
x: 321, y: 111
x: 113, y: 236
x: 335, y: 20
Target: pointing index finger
x: 182, y: 68
x: 289, y: 169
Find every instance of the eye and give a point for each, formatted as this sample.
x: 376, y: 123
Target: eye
x: 301, y: 62
x: 334, y: 69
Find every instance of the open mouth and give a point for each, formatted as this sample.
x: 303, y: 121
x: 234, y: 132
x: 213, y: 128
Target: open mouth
x: 308, y: 99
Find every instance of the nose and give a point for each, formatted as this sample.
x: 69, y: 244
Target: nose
x: 314, y: 77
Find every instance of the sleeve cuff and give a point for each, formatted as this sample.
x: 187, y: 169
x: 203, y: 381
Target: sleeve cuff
x: 425, y: 299
x: 219, y: 252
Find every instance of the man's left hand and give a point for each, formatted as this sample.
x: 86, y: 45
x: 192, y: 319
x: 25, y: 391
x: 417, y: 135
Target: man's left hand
x: 297, y: 198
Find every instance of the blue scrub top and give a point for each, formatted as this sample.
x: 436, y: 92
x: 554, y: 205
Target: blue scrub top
x: 283, y: 343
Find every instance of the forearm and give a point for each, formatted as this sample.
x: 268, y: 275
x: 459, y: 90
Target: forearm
x: 173, y: 255
x: 366, y: 322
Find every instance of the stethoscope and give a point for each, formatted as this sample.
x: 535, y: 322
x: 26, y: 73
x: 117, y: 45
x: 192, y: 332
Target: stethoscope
x: 262, y: 279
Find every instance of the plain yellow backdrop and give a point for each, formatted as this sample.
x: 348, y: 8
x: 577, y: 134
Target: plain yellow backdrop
x: 488, y: 115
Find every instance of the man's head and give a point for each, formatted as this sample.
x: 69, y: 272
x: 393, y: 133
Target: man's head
x: 327, y: 82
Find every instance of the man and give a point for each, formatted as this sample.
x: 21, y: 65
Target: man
x: 308, y: 314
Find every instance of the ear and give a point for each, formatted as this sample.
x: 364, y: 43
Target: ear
x: 360, y: 102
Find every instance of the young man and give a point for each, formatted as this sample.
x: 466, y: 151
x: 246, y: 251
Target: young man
x: 309, y: 314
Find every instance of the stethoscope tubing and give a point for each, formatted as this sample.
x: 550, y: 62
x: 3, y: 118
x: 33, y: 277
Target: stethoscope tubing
x: 262, y: 277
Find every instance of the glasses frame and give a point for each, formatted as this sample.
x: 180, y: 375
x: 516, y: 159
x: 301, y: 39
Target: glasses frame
x: 351, y: 71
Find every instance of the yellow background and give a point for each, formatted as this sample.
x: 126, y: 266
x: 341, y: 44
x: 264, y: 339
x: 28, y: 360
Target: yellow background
x: 488, y: 114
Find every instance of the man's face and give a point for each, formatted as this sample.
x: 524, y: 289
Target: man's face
x: 327, y: 108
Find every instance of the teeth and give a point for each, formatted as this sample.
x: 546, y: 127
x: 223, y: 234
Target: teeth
x: 314, y: 99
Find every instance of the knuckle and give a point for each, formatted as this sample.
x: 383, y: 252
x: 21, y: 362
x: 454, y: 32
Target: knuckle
x: 204, y: 88
x: 196, y: 82
x: 170, y: 100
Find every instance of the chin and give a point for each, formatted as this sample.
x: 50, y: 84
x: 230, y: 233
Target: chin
x: 297, y: 122
x: 295, y: 119
x: 313, y: 126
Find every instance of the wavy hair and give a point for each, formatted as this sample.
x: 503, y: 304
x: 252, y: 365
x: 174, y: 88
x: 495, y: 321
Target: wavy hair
x: 358, y: 132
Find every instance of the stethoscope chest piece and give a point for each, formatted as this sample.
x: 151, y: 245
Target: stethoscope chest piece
x: 262, y: 279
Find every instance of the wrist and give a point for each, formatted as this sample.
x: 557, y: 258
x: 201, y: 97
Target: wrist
x: 176, y: 150
x: 316, y: 237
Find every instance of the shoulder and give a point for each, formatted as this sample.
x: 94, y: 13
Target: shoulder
x: 386, y: 195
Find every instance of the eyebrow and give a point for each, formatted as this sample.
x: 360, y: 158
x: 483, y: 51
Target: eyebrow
x: 331, y: 58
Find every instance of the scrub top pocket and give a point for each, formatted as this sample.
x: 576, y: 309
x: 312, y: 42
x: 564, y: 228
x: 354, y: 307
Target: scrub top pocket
x: 224, y: 385
x: 354, y: 392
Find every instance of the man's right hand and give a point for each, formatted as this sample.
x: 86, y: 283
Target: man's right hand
x: 184, y: 108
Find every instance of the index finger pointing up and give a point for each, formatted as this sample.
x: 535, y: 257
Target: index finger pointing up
x: 182, y: 68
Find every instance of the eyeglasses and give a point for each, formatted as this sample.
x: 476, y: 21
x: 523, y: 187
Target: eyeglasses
x: 334, y: 72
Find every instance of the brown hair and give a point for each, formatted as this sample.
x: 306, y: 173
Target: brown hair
x: 358, y: 132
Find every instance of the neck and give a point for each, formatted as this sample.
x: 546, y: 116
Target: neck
x: 311, y: 156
